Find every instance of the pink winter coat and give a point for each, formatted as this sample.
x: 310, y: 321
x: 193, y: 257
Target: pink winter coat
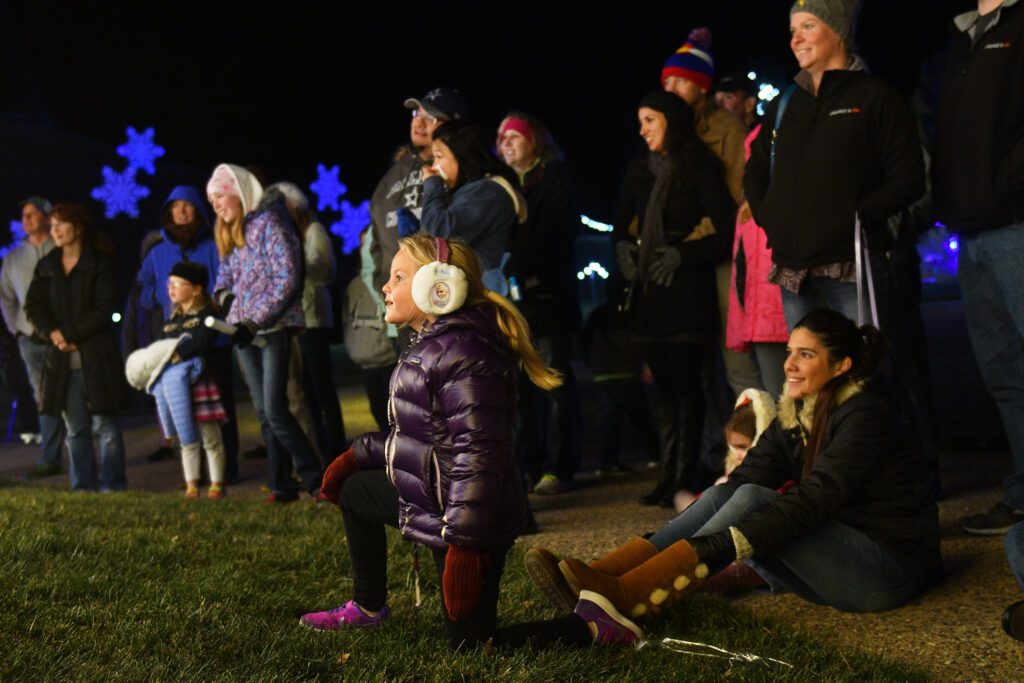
x: 760, y: 317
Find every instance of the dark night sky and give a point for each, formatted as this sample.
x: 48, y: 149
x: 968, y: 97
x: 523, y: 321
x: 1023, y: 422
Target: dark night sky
x: 304, y: 83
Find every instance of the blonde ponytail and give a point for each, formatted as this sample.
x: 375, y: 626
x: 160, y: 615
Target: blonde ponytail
x: 423, y: 248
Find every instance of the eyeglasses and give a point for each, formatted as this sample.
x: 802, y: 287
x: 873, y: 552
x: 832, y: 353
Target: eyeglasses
x: 431, y: 120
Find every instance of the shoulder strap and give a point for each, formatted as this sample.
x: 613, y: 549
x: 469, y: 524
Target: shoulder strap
x: 787, y: 94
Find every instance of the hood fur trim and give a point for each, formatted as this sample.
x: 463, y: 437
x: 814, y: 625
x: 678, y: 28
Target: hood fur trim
x: 790, y: 418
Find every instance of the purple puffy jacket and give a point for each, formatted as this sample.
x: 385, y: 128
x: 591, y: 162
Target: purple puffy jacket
x: 450, y: 451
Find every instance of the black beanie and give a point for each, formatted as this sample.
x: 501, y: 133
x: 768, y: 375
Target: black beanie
x: 674, y: 107
x: 196, y: 273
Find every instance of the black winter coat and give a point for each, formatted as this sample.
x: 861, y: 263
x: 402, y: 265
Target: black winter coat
x: 80, y: 305
x: 867, y: 476
x: 686, y: 310
x: 542, y: 252
x: 852, y: 149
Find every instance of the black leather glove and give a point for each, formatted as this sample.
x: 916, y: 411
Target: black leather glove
x: 244, y: 334
x: 663, y: 267
x: 226, y: 299
x: 625, y: 254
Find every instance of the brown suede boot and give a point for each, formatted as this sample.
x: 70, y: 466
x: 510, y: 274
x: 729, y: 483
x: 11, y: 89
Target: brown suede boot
x: 542, y: 566
x: 629, y: 555
x: 671, y: 574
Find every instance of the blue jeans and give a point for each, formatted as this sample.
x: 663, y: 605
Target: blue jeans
x: 173, y: 394
x: 820, y: 292
x: 992, y: 283
x: 81, y: 427
x: 51, y: 427
x: 1014, y: 544
x: 266, y: 373
x: 835, y: 565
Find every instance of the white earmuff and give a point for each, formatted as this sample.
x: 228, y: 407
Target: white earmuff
x: 439, y: 288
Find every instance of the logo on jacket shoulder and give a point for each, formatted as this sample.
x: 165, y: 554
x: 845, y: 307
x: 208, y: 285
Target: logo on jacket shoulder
x: 997, y: 46
x: 844, y: 110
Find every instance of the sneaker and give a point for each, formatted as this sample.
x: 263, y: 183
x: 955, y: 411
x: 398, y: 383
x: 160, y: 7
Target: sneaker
x: 216, y: 491
x: 281, y: 498
x: 192, y: 492
x: 550, y: 484
x: 612, y: 627
x: 996, y: 522
x: 349, y: 614
x: 40, y: 471
x: 542, y: 566
x: 1013, y: 620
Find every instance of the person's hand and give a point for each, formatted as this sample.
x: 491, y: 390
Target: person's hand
x: 428, y: 171
x: 625, y: 254
x: 745, y: 213
x: 69, y: 348
x: 463, y: 580
x: 244, y: 334
x: 336, y: 474
x: 663, y: 268
x: 58, y: 339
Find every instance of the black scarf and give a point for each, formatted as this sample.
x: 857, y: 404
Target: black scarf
x: 652, y: 235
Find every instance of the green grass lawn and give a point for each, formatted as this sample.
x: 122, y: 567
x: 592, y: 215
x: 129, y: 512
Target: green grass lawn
x: 141, y: 587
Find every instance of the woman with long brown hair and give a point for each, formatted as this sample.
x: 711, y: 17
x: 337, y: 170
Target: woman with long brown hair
x: 71, y: 300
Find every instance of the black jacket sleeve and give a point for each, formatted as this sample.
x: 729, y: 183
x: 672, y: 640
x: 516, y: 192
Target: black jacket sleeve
x: 720, y: 207
x: 902, y: 181
x: 100, y: 306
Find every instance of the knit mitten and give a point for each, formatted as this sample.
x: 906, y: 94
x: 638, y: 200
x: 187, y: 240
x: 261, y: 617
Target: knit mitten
x: 463, y: 580
x: 336, y: 474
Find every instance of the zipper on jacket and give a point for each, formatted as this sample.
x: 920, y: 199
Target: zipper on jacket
x: 437, y: 479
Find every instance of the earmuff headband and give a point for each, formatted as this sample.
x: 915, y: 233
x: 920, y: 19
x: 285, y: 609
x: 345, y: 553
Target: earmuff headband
x: 442, y: 249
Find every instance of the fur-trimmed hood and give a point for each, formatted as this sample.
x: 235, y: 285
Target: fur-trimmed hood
x: 790, y: 415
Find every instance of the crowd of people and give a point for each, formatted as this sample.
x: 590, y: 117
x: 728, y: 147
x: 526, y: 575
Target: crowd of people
x: 771, y: 261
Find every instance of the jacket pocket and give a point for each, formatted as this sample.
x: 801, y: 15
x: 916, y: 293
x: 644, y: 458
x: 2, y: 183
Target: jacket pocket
x: 435, y: 479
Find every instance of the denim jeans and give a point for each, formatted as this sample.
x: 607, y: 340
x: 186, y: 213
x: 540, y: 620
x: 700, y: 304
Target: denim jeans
x: 51, y: 427
x: 266, y: 372
x: 820, y: 292
x: 81, y: 426
x: 992, y: 283
x: 834, y: 565
x: 1014, y: 544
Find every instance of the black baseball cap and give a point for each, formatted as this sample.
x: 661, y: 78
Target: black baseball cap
x: 442, y: 103
x: 736, y: 81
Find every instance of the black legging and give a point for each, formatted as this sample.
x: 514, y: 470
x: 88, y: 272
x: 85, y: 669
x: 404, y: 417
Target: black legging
x: 368, y: 502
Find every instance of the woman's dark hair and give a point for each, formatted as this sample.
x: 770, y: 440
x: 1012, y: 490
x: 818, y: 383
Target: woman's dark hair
x: 864, y: 346
x: 544, y: 144
x: 80, y: 217
x: 681, y: 140
x: 472, y: 151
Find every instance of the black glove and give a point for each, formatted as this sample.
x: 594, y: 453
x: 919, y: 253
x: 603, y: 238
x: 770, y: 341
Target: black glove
x: 245, y: 332
x: 226, y: 299
x: 663, y: 267
x: 625, y: 254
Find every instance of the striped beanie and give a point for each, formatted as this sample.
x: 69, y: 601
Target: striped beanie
x: 693, y: 60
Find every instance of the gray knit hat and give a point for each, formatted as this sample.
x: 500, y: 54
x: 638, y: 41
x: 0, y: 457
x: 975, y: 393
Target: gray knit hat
x: 840, y: 15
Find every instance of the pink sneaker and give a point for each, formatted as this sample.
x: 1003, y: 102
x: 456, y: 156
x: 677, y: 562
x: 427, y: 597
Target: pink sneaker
x: 348, y: 614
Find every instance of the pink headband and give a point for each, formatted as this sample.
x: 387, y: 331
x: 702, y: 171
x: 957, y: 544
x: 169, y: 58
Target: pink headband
x: 514, y: 123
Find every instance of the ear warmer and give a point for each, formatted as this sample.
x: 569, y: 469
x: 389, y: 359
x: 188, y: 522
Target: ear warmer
x: 439, y: 288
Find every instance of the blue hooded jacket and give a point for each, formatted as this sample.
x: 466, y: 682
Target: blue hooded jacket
x: 156, y: 267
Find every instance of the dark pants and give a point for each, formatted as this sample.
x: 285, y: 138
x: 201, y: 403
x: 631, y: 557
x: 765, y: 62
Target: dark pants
x: 623, y: 399
x: 321, y: 395
x: 552, y: 421
x: 679, y: 402
x: 368, y: 502
x: 221, y: 366
x: 376, y: 382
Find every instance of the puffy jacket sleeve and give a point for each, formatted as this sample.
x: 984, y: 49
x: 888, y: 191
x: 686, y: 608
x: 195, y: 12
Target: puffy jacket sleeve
x: 369, y: 450
x: 283, y: 263
x: 225, y: 276
x: 473, y: 394
x: 855, y: 447
x: 757, y: 175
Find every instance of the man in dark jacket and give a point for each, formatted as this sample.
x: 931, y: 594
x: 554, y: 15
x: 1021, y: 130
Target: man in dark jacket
x: 978, y: 178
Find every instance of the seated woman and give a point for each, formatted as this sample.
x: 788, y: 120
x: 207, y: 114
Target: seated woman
x: 858, y: 531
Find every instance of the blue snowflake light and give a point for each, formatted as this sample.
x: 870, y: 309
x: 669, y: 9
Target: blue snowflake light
x: 353, y: 220
x: 17, y: 235
x: 327, y: 187
x: 120, y: 193
x: 140, y: 150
